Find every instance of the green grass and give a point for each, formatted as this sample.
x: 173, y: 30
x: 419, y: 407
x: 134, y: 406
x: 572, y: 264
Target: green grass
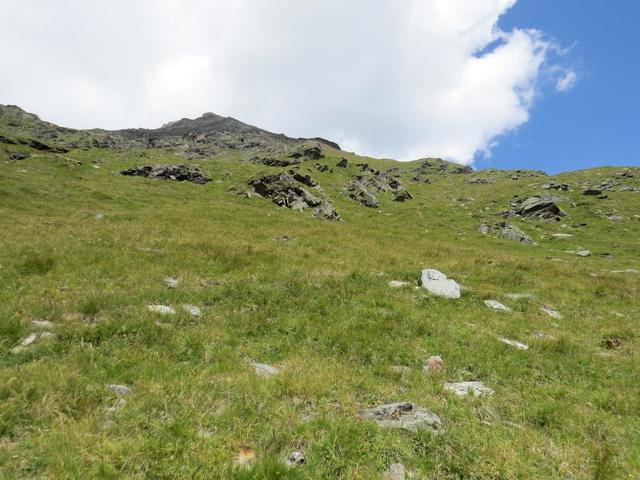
x: 319, y: 307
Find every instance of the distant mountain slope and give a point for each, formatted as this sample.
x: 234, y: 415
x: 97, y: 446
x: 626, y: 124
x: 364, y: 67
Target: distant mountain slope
x: 204, y: 136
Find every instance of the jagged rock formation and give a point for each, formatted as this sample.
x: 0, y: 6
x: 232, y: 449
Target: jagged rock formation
x: 365, y: 187
x: 287, y: 189
x: 180, y: 173
x: 537, y: 207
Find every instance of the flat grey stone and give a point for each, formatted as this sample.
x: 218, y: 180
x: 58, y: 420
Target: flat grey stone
x: 495, y: 305
x: 192, y: 310
x: 398, y: 284
x: 404, y: 415
x: 120, y: 390
x: 514, y: 343
x: 162, y: 309
x: 551, y: 312
x: 296, y: 459
x: 264, y: 370
x: 437, y: 283
x: 463, y: 389
x: 171, y: 282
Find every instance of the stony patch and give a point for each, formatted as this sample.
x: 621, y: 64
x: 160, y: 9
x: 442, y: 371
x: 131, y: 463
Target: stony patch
x: 405, y: 415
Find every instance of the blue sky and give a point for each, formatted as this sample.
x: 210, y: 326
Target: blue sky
x: 598, y: 121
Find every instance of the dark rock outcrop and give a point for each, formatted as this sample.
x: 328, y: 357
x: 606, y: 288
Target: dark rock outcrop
x: 343, y: 163
x: 180, y: 173
x: 287, y: 189
x: 365, y: 187
x: 537, y: 207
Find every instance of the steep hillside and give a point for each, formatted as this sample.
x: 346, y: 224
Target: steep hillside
x: 252, y: 298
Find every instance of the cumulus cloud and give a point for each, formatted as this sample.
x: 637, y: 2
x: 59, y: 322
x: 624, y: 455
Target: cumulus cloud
x: 567, y: 81
x: 397, y: 79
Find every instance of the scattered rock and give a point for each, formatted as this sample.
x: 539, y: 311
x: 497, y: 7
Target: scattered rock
x: 43, y: 324
x: 326, y: 211
x: 551, y: 312
x: 506, y: 231
x: 404, y: 415
x: 562, y: 236
x: 264, y: 370
x: 556, y: 186
x: 162, y: 309
x: 583, y: 253
x: 401, y: 196
x: 514, y: 343
x: 192, y: 310
x: 24, y: 343
x: 465, y: 388
x: 120, y: 390
x: 171, y: 282
x: 180, y: 173
x: 343, y: 163
x: 19, y: 156
x: 401, y: 369
x: 99, y: 216
x: 615, y: 218
x: 276, y: 162
x: 296, y: 459
x: 495, y: 305
x: 434, y: 364
x: 396, y: 471
x: 612, y: 343
x: 437, y: 283
x: 592, y: 191
x: 398, y: 284
x: 322, y: 168
x: 537, y: 207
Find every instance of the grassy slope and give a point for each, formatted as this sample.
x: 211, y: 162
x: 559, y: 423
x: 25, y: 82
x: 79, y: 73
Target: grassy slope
x: 318, y: 306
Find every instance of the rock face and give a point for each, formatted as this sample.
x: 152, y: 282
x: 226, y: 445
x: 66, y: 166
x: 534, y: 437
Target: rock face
x: 288, y: 189
x: 180, y: 173
x: 506, y: 231
x: 538, y: 207
x: 365, y: 187
x: 437, y: 283
x: 405, y: 415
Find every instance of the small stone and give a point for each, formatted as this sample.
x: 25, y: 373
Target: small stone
x: 612, y: 343
x: 296, y: 459
x: 171, y: 282
x: 562, y: 236
x: 120, y: 390
x: 514, y: 343
x: 99, y: 216
x: 583, y: 253
x: 434, y: 364
x: 396, y: 471
x: 264, y: 370
x: 24, y: 343
x: 401, y: 369
x: 162, y: 309
x: 495, y: 305
x: 398, y: 284
x: 192, y: 310
x: 551, y: 312
x: 463, y: 389
x: 43, y: 324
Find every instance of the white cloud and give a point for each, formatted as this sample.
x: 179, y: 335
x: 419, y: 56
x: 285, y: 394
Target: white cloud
x: 567, y: 81
x: 399, y: 79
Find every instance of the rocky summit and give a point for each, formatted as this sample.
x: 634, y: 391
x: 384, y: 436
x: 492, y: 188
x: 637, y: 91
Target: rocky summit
x: 207, y: 299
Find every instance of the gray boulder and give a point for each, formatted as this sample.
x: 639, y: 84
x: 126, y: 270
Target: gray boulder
x: 405, y: 415
x: 437, y: 283
x: 538, y: 207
